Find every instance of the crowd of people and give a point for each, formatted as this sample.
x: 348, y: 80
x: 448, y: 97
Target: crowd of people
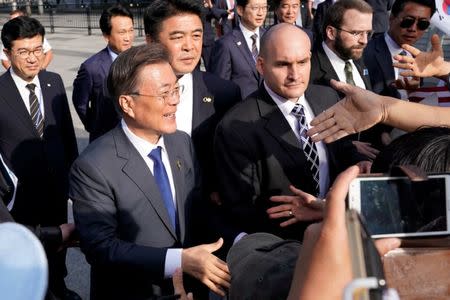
x: 215, y: 178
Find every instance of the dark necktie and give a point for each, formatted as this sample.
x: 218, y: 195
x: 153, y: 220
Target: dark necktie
x: 309, y: 148
x: 6, y: 185
x: 35, y: 112
x: 349, y: 73
x: 162, y: 180
x: 254, y: 47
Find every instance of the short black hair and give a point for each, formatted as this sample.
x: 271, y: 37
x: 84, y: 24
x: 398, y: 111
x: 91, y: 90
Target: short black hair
x: 335, y: 14
x: 242, y: 3
x: 124, y: 72
x: 276, y: 4
x: 21, y: 28
x: 160, y: 10
x: 399, y: 5
x: 113, y: 11
x: 427, y: 148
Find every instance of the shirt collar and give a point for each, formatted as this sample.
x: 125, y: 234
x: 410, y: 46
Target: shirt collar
x: 393, y: 47
x: 248, y: 33
x: 284, y: 104
x: 22, y: 83
x: 144, y: 147
x: 185, y: 80
x: 112, y: 53
x: 334, y: 59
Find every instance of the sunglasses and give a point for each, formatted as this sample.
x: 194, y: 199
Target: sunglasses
x: 408, y: 22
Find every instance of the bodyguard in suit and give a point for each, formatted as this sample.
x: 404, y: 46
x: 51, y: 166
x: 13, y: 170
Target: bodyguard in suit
x: 319, y: 15
x: 177, y: 25
x: 261, y: 145
x: 116, y: 24
x: 347, y: 28
x: 229, y: 22
x: 37, y: 138
x: 408, y: 21
x: 134, y: 188
x: 234, y: 54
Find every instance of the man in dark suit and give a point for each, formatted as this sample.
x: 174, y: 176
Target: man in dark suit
x: 319, y: 15
x: 227, y: 23
x: 346, y: 30
x: 177, y: 25
x: 261, y: 145
x: 116, y: 24
x: 37, y: 138
x: 234, y: 54
x: 408, y: 22
x: 381, y: 8
x: 287, y: 11
x: 134, y: 188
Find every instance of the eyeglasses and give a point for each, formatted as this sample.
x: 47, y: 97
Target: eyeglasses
x: 24, y: 53
x: 407, y: 22
x: 164, y: 97
x: 258, y: 8
x: 358, y: 34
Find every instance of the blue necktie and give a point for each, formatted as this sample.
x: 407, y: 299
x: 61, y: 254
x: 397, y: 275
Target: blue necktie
x: 162, y: 180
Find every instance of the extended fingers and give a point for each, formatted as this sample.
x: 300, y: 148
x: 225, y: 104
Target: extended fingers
x: 279, y: 208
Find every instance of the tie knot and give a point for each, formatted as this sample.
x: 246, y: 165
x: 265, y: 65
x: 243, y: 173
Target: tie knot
x: 31, y: 87
x: 254, y: 37
x: 403, y: 53
x: 348, y: 66
x: 298, y: 110
x: 155, y: 154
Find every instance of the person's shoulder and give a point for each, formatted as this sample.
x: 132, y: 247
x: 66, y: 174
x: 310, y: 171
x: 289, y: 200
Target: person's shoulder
x: 48, y: 75
x: 243, y: 110
x: 100, y: 148
x: 321, y: 90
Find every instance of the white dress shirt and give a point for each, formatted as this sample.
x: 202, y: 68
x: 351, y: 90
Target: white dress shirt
x: 339, y: 65
x: 186, y: 106
x: 25, y: 93
x: 395, y: 49
x: 248, y: 36
x: 286, y: 107
x: 173, y: 255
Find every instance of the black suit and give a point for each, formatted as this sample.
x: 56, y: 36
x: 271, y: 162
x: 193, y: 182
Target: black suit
x: 41, y: 165
x: 258, y: 155
x: 378, y: 59
x: 322, y: 70
x: 380, y: 20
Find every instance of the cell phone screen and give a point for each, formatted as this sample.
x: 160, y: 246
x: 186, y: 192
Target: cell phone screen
x: 404, y: 206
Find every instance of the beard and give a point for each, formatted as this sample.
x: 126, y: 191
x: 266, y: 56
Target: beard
x: 346, y: 53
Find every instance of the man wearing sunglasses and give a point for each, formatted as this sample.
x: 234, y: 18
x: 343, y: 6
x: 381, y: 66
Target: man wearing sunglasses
x: 408, y: 22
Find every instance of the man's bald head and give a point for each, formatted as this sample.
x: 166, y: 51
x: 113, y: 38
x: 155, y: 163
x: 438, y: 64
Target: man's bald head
x: 284, y: 60
x: 282, y: 31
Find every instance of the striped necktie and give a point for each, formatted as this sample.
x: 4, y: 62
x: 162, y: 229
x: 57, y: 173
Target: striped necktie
x: 309, y: 148
x: 348, y: 69
x: 254, y: 47
x: 35, y: 112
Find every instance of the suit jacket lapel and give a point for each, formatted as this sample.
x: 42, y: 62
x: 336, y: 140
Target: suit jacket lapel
x: 136, y: 169
x: 279, y: 128
x: 241, y: 44
x: 363, y: 72
x: 202, y: 98
x: 384, y: 60
x: 106, y: 61
x: 13, y: 99
x: 177, y: 166
x: 326, y: 67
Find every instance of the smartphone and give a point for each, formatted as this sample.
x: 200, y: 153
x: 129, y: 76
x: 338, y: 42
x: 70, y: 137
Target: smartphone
x: 399, y: 207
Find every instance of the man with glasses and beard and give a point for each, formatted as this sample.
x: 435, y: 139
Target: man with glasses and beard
x: 408, y: 21
x: 346, y: 30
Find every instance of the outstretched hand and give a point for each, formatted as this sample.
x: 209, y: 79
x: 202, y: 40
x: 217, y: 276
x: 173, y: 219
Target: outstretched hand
x: 358, y: 111
x: 200, y: 263
x: 301, y: 207
x: 423, y: 64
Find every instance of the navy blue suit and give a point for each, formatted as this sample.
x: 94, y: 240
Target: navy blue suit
x: 232, y: 60
x: 377, y: 58
x: 88, y: 91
